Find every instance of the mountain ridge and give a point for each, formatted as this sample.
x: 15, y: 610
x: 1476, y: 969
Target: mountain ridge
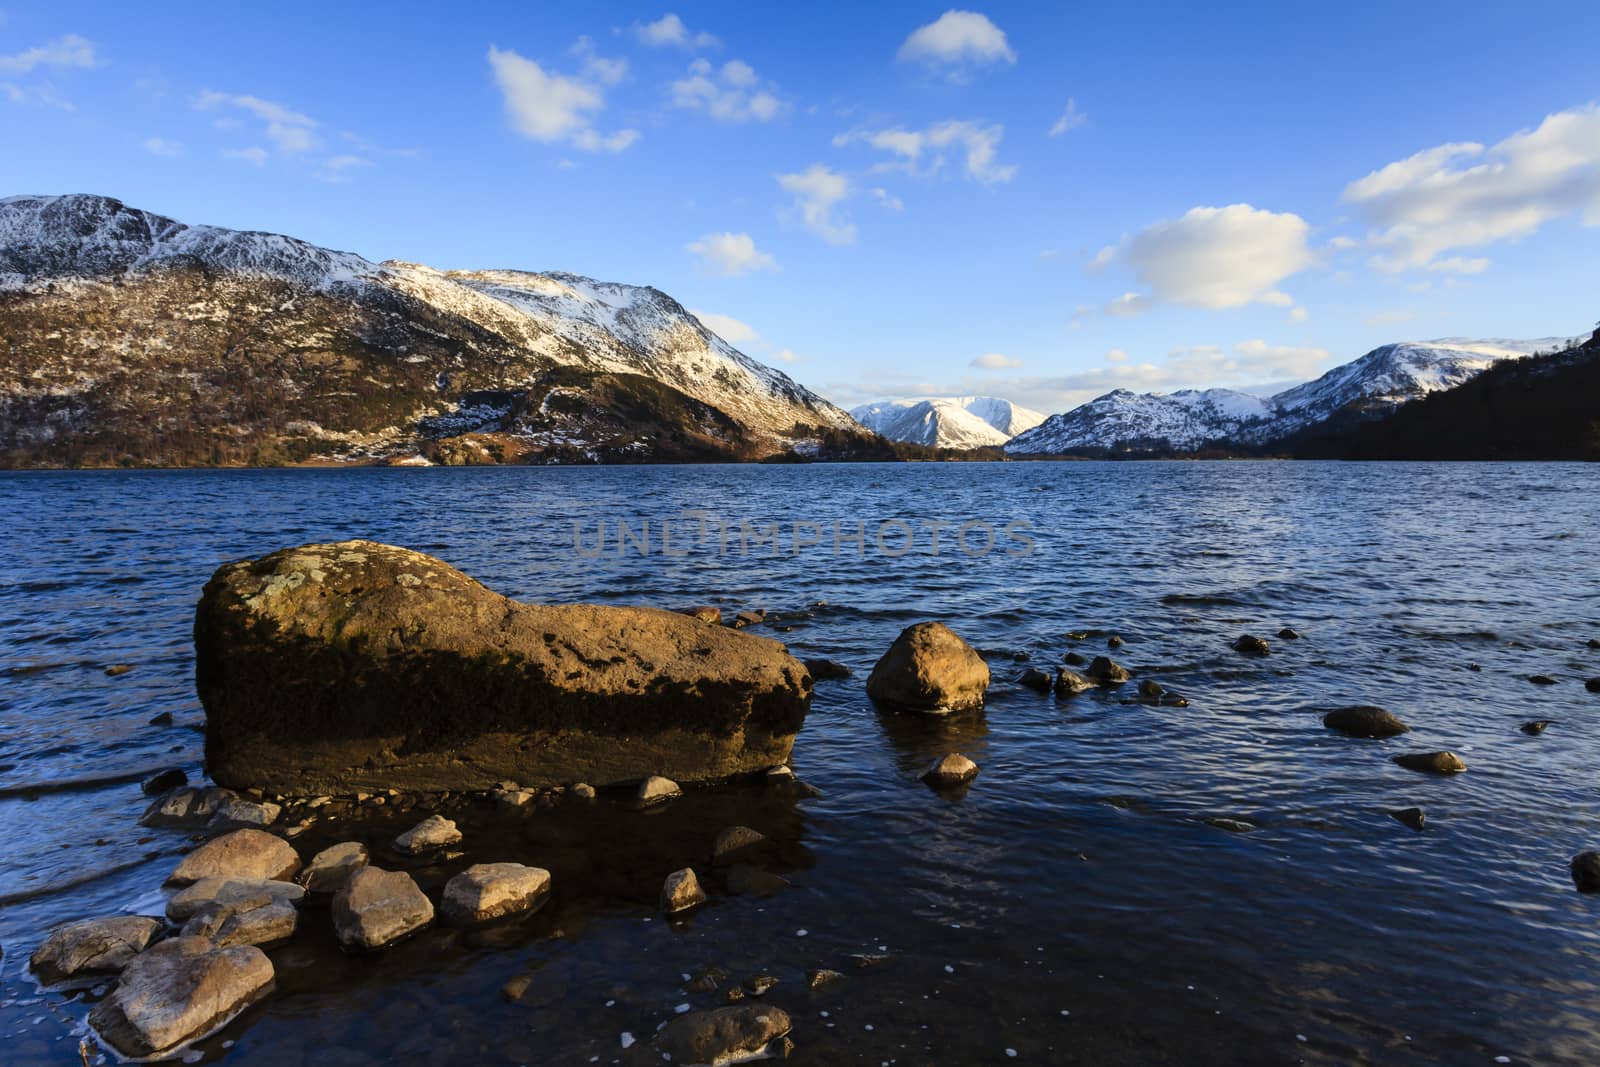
x: 948, y: 422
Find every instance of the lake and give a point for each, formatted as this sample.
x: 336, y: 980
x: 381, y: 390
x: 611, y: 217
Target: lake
x: 1073, y: 905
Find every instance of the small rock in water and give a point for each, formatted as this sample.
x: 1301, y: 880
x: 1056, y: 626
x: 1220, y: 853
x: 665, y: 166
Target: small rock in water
x: 488, y: 891
x: 432, y: 833
x: 1107, y: 671
x: 1069, y: 683
x: 1115, y: 641
x: 177, y: 991
x: 1073, y: 659
x: 1593, y: 642
x: 207, y: 891
x: 745, y: 880
x: 1034, y: 678
x: 1251, y: 645
x: 516, y: 987
x: 1233, y: 826
x: 818, y: 978
x: 705, y: 613
x: 515, y: 799
x: 826, y: 670
x: 1412, y: 817
x: 1170, y: 699
x: 681, y: 891
x: 655, y: 789
x: 163, y: 719
x: 582, y: 791
x: 118, y: 669
x: 1432, y: 762
x: 758, y: 984
x: 329, y: 868
x: 92, y: 947
x: 1288, y: 634
x: 375, y: 908
x: 950, y: 770
x: 1364, y: 721
x: 1592, y: 685
x: 724, y: 1035
x: 1586, y: 872
x: 929, y: 668
x: 749, y: 618
x: 163, y: 782
x: 1537, y: 726
x: 1150, y: 690
x: 248, y: 854
x: 1541, y: 679
x: 733, y: 841
x: 237, y: 811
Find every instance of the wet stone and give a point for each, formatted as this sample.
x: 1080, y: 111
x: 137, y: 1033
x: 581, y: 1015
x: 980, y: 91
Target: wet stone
x: 734, y: 841
x: 1288, y: 633
x: 1069, y: 683
x: 431, y: 834
x: 1034, y: 678
x: 758, y: 985
x: 1541, y: 679
x: 216, y: 890
x: 375, y: 908
x: 329, y: 868
x: 950, y: 770
x: 1106, y: 671
x: 1432, y: 762
x: 1251, y: 645
x: 745, y: 880
x: 827, y: 670
x: 1364, y: 721
x: 177, y: 991
x: 1592, y: 685
x: 262, y: 920
x: 92, y: 947
x: 163, y: 781
x: 1073, y: 659
x: 656, y: 789
x: 681, y: 891
x: 929, y: 668
x: 1586, y: 872
x: 485, y: 892
x: 1151, y: 690
x: 1537, y: 726
x: 1233, y: 826
x: 1412, y: 817
x: 723, y: 1035
x: 705, y: 613
x: 248, y: 854
x: 821, y: 977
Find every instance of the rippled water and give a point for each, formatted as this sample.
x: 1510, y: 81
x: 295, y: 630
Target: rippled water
x: 1072, y: 905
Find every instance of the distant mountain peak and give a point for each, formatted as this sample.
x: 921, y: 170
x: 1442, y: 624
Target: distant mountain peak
x: 948, y: 422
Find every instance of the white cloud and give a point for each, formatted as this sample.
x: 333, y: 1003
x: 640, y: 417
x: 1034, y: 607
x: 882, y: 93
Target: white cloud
x: 1464, y: 195
x: 958, y: 38
x: 1459, y: 265
x: 255, y: 155
x: 1128, y: 305
x: 668, y: 31
x: 290, y: 131
x: 553, y: 108
x: 786, y: 355
x: 160, y: 146
x: 996, y: 361
x: 1221, y: 257
x: 41, y: 95
x: 1298, y: 314
x: 1102, y: 259
x: 597, y: 67
x: 817, y: 192
x: 1116, y: 355
x: 730, y: 254
x: 922, y: 152
x: 337, y: 168
x: 726, y: 327
x: 887, y: 199
x: 68, y: 51
x: 1071, y: 119
x: 730, y: 94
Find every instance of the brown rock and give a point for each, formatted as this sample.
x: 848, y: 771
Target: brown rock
x: 375, y: 908
x: 216, y: 890
x: 1586, y: 872
x: 488, y: 891
x: 92, y: 947
x: 1071, y: 683
x: 603, y: 694
x: 1364, y: 721
x: 681, y: 891
x: 950, y: 770
x: 656, y: 789
x: 329, y: 868
x: 177, y: 991
x: 1034, y: 678
x: 704, y: 613
x: 263, y: 920
x: 929, y: 668
x: 246, y: 854
x: 723, y: 1035
x: 1432, y: 762
x: 733, y: 841
x: 1106, y: 671
x: 429, y: 835
x: 1251, y: 645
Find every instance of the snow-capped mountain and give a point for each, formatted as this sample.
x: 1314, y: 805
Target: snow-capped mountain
x: 120, y: 323
x: 1184, y: 421
x: 948, y: 422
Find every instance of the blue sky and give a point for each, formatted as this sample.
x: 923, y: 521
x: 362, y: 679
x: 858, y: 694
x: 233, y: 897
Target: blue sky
x: 1036, y: 201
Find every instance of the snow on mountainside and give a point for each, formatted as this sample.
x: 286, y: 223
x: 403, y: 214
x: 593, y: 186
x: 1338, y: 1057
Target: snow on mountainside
x: 948, y: 422
x: 103, y: 306
x: 1184, y: 421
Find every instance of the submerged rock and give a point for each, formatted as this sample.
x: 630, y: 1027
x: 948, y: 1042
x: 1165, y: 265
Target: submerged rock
x: 1412, y: 817
x: 1171, y: 699
x: 207, y: 891
x: 488, y: 891
x: 733, y: 841
x: 1069, y: 683
x: 329, y: 868
x: 1251, y: 645
x: 242, y: 854
x: 950, y: 770
x: 1432, y: 762
x: 1151, y: 690
x: 1586, y: 872
x: 821, y: 977
x: 177, y: 991
x: 1107, y: 671
x: 1537, y: 726
x: 681, y: 891
x: 1073, y: 659
x: 745, y: 880
x: 429, y: 835
x: 1233, y: 826
x: 734, y: 1034
x: 1288, y: 633
x: 164, y: 781
x: 827, y: 670
x: 929, y: 668
x: 1365, y: 721
x: 359, y: 666
x: 92, y: 947
x: 1592, y: 685
x: 1034, y: 678
x: 1115, y: 641
x: 375, y: 908
x: 1541, y: 679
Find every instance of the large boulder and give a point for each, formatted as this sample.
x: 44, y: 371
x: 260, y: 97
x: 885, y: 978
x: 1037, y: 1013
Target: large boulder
x: 244, y: 854
x: 177, y: 991
x: 358, y: 666
x: 488, y: 891
x: 375, y: 908
x: 929, y: 668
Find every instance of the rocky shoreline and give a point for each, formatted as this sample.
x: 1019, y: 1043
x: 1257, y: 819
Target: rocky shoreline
x: 375, y: 867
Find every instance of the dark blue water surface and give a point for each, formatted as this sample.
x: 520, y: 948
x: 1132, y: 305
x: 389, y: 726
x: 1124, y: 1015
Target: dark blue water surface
x: 1074, y: 905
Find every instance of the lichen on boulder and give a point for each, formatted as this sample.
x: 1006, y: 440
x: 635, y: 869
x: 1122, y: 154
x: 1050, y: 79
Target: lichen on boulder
x: 332, y: 668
